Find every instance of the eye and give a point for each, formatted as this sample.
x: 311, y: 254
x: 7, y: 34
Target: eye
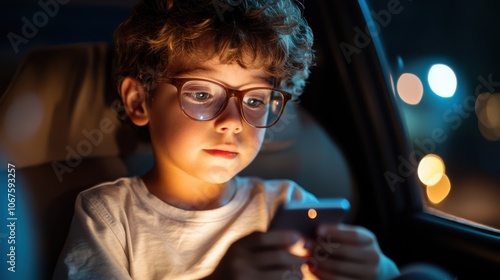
x: 197, y: 97
x: 200, y: 95
x: 257, y: 99
x: 254, y: 102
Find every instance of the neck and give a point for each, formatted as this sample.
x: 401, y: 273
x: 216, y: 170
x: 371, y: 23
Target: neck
x: 188, y: 194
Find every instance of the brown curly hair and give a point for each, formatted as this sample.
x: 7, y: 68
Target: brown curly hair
x: 162, y: 36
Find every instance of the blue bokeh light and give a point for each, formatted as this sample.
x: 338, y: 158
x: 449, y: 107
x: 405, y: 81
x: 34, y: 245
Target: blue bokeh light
x: 442, y: 80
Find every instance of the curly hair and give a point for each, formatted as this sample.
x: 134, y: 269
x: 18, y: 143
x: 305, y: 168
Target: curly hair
x: 162, y: 36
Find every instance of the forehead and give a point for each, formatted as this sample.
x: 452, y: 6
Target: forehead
x: 217, y: 70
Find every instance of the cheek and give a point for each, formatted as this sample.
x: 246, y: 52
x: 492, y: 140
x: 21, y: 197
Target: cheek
x: 261, y: 134
x: 167, y: 125
x: 172, y: 130
x: 257, y: 138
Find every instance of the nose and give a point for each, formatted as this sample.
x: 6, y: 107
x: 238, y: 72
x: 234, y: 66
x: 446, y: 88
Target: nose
x: 229, y: 120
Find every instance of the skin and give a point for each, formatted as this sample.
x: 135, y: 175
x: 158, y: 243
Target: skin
x: 195, y: 162
x: 346, y: 252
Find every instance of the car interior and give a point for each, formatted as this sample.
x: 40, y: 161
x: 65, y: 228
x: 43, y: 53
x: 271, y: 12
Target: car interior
x: 63, y: 129
x: 81, y: 139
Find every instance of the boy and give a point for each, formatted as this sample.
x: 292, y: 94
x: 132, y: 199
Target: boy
x: 179, y: 65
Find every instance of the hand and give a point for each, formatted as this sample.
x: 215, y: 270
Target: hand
x: 261, y: 256
x: 348, y: 252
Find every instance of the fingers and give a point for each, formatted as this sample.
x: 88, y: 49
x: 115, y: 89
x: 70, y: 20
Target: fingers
x: 276, y: 249
x: 345, y: 273
x: 346, y: 242
x: 276, y: 259
x: 345, y: 252
x: 347, y: 234
x: 331, y: 267
x: 330, y: 248
x: 262, y: 256
x: 291, y: 274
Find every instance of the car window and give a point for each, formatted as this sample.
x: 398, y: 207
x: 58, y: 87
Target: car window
x: 443, y: 69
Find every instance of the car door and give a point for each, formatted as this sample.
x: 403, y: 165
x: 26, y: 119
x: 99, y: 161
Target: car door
x: 366, y: 47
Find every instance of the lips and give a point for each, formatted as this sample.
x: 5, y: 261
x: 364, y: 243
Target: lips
x: 222, y: 153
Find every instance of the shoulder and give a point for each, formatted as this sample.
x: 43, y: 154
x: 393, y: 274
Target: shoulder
x: 110, y: 193
x: 120, y: 185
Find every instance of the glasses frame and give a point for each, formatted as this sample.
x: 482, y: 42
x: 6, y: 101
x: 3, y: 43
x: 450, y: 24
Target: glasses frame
x: 178, y: 83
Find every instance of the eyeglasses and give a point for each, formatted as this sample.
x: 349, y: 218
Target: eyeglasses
x: 203, y: 100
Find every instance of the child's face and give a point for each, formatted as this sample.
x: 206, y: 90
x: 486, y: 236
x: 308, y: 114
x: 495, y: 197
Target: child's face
x: 211, y: 151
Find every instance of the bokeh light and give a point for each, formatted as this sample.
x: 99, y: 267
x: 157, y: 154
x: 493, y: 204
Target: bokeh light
x: 488, y: 113
x: 431, y: 169
x: 481, y: 101
x: 312, y: 214
x: 488, y: 133
x: 493, y: 111
x: 439, y: 191
x: 410, y: 88
x: 442, y: 80
x: 401, y: 63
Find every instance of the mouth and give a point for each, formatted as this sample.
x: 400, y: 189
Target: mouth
x: 222, y: 153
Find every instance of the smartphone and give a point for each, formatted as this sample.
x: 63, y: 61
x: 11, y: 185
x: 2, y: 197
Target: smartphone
x: 305, y: 217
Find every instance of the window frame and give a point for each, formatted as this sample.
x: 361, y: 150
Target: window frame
x: 372, y: 140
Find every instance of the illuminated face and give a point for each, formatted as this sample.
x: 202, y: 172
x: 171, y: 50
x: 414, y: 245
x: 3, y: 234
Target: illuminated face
x: 210, y: 151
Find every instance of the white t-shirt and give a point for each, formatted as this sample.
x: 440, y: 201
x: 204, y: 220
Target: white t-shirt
x: 121, y: 231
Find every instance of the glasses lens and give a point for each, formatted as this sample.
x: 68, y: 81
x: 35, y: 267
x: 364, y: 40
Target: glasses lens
x: 202, y: 100
x: 262, y: 107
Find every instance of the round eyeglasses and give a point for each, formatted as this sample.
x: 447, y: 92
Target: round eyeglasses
x: 203, y: 100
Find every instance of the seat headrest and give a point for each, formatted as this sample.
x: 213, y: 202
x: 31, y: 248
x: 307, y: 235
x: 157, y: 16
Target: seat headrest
x: 61, y: 105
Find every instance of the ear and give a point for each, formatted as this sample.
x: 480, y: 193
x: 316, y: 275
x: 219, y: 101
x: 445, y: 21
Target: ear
x: 134, y: 100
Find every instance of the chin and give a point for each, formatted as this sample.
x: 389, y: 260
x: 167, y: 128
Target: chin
x: 220, y: 175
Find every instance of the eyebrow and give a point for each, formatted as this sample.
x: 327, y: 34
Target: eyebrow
x: 199, y: 70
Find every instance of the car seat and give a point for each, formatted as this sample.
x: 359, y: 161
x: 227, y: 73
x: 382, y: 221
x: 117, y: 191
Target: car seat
x: 63, y: 128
